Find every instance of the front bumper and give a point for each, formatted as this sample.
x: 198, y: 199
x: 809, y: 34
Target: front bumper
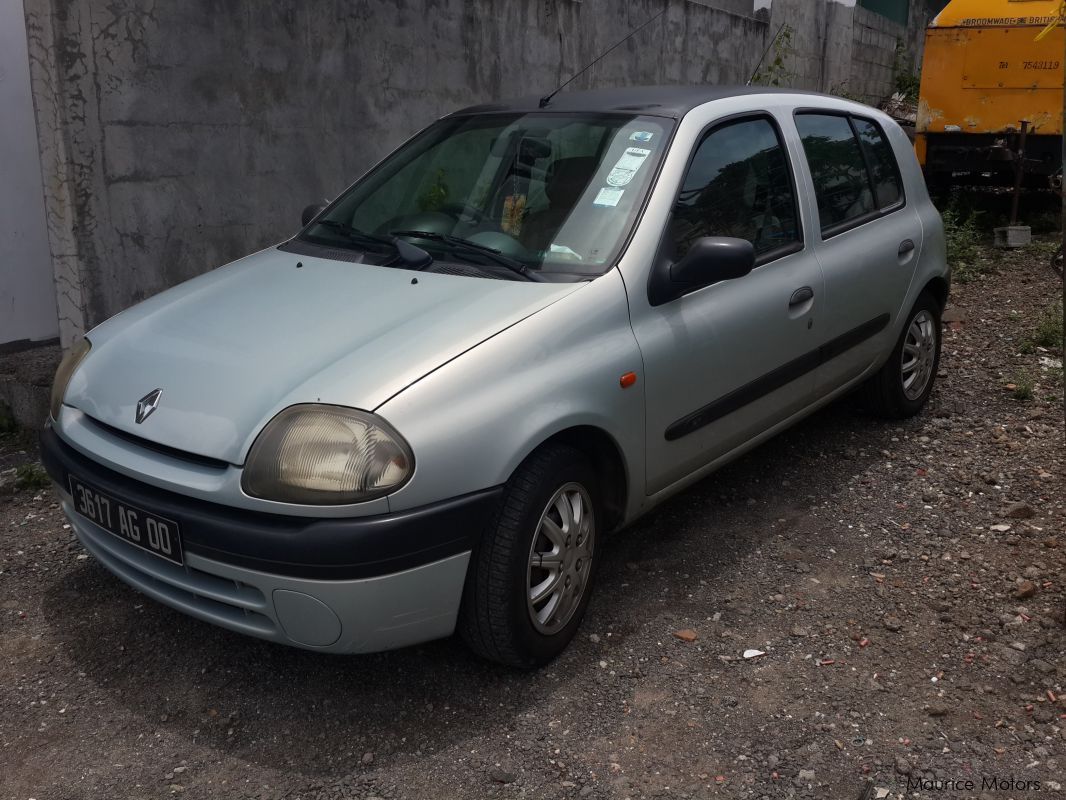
x: 337, y: 585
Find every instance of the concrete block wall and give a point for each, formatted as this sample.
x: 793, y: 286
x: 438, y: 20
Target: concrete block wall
x: 874, y: 42
x: 178, y: 136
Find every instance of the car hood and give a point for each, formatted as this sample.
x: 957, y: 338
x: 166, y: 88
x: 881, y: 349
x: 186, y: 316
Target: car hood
x: 231, y: 348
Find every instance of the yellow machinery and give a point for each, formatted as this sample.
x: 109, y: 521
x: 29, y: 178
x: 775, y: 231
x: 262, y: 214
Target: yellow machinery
x: 983, y: 75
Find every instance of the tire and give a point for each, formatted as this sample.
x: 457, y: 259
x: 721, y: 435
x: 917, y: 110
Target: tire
x: 888, y: 394
x: 497, y: 619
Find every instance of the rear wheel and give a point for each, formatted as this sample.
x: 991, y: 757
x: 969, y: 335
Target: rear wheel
x: 531, y: 575
x: 902, y: 386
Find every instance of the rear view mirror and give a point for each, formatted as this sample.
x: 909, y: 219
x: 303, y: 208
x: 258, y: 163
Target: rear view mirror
x: 710, y: 259
x: 310, y: 212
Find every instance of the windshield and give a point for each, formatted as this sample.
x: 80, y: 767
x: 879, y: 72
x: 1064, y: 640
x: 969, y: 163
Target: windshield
x: 537, y: 196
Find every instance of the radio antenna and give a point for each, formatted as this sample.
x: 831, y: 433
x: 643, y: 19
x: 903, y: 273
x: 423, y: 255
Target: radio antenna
x: 765, y: 53
x: 547, y: 98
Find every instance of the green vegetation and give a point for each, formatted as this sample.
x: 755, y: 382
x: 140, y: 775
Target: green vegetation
x: 1054, y: 379
x: 1021, y: 387
x: 435, y: 194
x: 775, y: 71
x: 31, y: 476
x: 1048, y: 331
x: 906, y: 81
x: 962, y: 235
x: 841, y: 90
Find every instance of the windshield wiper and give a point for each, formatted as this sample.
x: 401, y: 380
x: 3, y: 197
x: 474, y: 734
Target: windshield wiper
x: 411, y: 256
x: 491, y: 253
x: 354, y: 233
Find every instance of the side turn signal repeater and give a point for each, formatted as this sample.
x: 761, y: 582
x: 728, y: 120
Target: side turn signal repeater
x: 627, y: 380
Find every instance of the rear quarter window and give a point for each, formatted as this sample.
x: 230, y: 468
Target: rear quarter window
x: 884, y: 171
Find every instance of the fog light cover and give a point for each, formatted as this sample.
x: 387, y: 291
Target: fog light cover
x: 315, y: 454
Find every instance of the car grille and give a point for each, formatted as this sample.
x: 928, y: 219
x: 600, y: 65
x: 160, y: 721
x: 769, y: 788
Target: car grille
x: 236, y: 604
x: 156, y: 447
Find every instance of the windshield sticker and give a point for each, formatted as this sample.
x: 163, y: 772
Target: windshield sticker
x: 627, y: 166
x: 641, y: 136
x: 608, y: 198
x: 565, y: 252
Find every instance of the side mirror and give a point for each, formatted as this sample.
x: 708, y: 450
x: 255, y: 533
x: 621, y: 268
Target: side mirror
x: 710, y: 259
x: 311, y: 212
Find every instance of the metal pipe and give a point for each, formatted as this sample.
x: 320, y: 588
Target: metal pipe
x: 1019, y: 173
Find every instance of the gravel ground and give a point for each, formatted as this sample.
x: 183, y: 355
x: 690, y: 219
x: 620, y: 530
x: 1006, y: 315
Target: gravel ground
x: 904, y: 582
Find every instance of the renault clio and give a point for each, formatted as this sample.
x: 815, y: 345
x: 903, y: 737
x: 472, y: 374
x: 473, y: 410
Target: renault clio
x: 525, y: 328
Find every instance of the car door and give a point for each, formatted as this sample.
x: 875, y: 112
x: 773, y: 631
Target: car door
x: 730, y: 360
x: 868, y: 239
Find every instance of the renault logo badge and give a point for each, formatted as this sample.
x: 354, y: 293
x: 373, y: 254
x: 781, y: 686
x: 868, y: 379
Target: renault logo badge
x: 147, y: 404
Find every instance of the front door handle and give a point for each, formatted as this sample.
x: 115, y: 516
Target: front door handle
x: 905, y: 247
x: 800, y: 296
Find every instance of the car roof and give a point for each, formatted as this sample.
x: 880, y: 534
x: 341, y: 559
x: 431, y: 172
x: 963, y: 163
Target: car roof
x: 662, y: 101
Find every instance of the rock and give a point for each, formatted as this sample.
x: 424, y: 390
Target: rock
x: 585, y: 791
x: 1025, y: 589
x: 685, y: 635
x: 903, y: 766
x: 1019, y: 511
x: 799, y: 630
x: 806, y: 775
x: 368, y: 758
x: 893, y: 623
x: 1010, y: 655
x: 503, y: 776
x: 1043, y: 715
x: 937, y: 709
x: 594, y: 638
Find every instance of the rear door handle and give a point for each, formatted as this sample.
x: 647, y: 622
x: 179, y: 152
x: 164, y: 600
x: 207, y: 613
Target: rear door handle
x: 905, y: 247
x: 800, y: 296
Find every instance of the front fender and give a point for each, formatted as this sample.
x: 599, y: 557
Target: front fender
x: 471, y: 422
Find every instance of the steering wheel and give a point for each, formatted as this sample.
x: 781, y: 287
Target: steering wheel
x: 460, y: 210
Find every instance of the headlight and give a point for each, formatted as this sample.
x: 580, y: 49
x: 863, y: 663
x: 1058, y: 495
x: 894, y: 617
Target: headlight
x: 66, y: 369
x: 326, y: 455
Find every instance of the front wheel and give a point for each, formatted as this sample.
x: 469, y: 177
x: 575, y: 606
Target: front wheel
x: 902, y: 386
x: 531, y: 574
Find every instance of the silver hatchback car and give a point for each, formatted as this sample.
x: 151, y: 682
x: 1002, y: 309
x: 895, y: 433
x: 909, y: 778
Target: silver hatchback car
x: 522, y: 330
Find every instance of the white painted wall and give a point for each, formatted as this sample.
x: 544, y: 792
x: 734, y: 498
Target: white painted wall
x: 27, y: 288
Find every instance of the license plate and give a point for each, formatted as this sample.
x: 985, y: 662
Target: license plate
x: 158, y: 535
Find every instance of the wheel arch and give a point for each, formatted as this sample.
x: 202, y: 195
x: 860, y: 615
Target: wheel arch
x: 608, y: 461
x: 938, y: 287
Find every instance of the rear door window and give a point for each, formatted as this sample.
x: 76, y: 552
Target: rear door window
x: 838, y: 168
x: 854, y: 170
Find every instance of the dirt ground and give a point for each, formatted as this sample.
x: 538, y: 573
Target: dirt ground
x: 904, y: 581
